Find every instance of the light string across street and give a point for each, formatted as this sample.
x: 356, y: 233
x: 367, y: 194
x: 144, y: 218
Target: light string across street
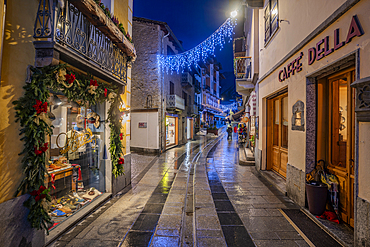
x: 200, y: 52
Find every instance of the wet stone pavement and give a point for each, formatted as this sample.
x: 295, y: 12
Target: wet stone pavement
x: 193, y: 195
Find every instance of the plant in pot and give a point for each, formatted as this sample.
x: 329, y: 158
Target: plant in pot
x: 316, y: 190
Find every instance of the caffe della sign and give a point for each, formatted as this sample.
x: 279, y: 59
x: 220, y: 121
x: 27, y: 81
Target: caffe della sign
x: 323, y: 48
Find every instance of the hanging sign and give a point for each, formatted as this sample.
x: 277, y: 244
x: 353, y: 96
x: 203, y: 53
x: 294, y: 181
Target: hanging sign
x: 142, y: 125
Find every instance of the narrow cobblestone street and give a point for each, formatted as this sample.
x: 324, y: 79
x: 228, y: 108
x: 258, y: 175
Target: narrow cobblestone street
x: 193, y: 195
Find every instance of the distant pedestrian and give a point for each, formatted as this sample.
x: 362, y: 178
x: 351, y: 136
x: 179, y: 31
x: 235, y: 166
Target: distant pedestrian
x: 229, y: 132
x: 235, y: 129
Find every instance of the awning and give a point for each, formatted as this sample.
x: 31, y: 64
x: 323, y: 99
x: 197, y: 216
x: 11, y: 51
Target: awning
x: 238, y: 115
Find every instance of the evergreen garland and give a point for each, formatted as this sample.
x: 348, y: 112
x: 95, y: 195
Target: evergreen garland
x: 31, y: 112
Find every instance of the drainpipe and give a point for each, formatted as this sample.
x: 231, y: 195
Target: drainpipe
x: 162, y: 94
x: 2, y: 41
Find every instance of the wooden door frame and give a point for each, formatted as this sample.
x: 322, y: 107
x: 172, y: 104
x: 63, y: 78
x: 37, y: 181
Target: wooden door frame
x: 269, y: 124
x: 350, y: 145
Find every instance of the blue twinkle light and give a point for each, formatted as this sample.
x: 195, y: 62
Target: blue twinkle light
x: 200, y: 52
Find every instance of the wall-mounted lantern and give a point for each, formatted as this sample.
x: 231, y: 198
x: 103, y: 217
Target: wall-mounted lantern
x: 298, y: 116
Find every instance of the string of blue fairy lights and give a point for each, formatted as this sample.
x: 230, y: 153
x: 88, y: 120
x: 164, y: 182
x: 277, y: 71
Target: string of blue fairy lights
x: 200, y: 52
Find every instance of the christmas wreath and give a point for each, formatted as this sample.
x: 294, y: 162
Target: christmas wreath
x: 31, y: 112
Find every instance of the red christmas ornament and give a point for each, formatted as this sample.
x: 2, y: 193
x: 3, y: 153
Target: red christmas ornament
x: 70, y: 78
x: 42, y: 149
x: 105, y: 92
x: 121, y: 161
x: 121, y: 136
x: 40, y: 107
x: 93, y: 83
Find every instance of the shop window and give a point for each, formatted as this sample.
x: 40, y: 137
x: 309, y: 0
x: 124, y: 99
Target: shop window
x: 339, y: 119
x: 271, y: 18
x: 284, y: 122
x: 170, y: 131
x: 76, y: 170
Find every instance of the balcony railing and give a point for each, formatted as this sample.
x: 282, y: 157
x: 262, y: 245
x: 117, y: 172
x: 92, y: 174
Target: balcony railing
x: 242, y: 67
x: 68, y: 27
x: 175, y: 102
x: 186, y: 79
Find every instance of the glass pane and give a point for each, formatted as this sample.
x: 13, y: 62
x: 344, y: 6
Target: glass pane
x: 76, y: 168
x: 170, y: 131
x: 276, y: 123
x: 339, y: 118
x: 284, y: 127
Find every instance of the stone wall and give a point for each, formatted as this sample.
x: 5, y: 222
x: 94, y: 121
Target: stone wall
x: 15, y: 229
x: 295, y: 184
x: 145, y: 71
x: 148, y: 79
x: 362, y: 222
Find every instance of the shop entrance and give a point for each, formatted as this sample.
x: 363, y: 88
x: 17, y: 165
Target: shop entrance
x: 336, y: 135
x: 277, y: 137
x: 171, y: 131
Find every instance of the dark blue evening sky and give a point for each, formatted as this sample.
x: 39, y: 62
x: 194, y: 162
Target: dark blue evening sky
x: 192, y: 21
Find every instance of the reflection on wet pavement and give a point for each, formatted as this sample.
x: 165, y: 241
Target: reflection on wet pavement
x: 196, y: 194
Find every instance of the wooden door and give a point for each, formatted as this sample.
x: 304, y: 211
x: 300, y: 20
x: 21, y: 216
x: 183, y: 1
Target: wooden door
x: 341, y: 140
x: 278, y: 115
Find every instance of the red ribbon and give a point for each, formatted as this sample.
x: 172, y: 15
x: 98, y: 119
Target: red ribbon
x: 53, y: 180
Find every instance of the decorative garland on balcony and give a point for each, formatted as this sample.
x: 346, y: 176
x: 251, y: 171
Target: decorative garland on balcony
x: 31, y: 112
x: 200, y: 52
x: 114, y: 19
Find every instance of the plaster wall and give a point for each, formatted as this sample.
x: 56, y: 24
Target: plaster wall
x: 145, y: 137
x: 297, y: 83
x: 18, y: 53
x: 123, y: 12
x: 299, y: 19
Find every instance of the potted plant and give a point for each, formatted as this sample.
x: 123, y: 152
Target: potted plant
x: 316, y: 190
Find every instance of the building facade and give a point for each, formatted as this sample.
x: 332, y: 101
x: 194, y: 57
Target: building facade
x: 84, y: 63
x: 210, y: 92
x: 163, y: 102
x: 312, y: 92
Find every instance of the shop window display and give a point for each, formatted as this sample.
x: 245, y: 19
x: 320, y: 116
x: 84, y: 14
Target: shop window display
x: 75, y: 168
x: 170, y: 131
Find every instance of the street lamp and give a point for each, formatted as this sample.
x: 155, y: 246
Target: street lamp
x: 234, y: 14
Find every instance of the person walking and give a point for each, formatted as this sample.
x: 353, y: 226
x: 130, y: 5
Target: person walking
x: 229, y: 132
x: 235, y: 129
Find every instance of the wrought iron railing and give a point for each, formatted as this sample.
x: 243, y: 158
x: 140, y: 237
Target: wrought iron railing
x: 175, y: 102
x: 242, y: 67
x: 69, y: 27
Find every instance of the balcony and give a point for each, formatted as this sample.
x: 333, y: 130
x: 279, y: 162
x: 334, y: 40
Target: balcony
x: 175, y: 103
x: 208, y: 88
x: 242, y: 68
x: 84, y: 36
x: 186, y: 80
x: 243, y: 75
